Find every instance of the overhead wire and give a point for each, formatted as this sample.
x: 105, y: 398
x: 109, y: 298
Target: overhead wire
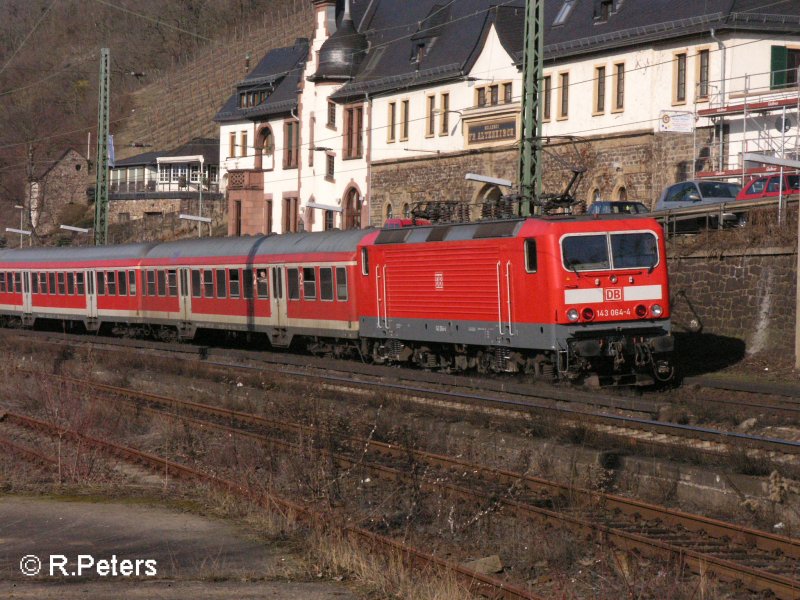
x: 27, y: 37
x: 475, y: 13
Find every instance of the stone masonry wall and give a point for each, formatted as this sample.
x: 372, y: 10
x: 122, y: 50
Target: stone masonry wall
x: 749, y: 296
x: 643, y: 163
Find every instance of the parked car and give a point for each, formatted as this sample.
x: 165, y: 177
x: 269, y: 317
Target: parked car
x: 769, y: 186
x: 700, y: 193
x: 603, y: 207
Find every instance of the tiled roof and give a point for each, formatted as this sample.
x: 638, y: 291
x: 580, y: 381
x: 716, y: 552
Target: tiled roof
x: 454, y: 31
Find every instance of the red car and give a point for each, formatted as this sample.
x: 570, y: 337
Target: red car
x: 769, y: 186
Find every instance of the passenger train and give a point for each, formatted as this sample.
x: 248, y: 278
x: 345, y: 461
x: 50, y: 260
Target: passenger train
x: 576, y: 298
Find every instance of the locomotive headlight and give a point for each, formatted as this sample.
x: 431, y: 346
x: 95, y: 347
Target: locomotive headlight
x: 656, y: 310
x: 587, y: 313
x: 573, y: 315
x: 641, y: 311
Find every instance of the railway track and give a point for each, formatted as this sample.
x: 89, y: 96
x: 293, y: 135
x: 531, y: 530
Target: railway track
x: 632, y: 421
x: 760, y: 560
x: 477, y: 583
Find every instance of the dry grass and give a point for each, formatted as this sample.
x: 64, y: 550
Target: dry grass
x: 559, y: 562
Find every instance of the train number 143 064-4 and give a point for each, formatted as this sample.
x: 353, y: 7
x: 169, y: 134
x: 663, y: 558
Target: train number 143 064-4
x: 614, y: 312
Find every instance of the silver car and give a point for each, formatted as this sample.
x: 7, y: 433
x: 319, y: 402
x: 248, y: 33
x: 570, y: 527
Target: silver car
x: 701, y: 193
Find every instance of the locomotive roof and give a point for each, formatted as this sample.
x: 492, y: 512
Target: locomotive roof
x: 77, y: 254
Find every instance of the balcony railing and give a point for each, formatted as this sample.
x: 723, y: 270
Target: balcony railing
x: 160, y: 187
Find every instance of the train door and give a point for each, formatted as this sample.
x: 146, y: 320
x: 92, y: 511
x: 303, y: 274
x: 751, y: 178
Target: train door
x: 381, y: 297
x: 185, y: 295
x: 278, y: 298
x: 504, y: 316
x: 91, y: 295
x: 26, y: 292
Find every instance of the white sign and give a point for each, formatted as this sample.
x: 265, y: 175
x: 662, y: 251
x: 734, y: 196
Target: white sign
x: 676, y: 121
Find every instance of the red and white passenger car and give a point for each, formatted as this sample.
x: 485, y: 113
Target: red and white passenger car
x: 568, y: 296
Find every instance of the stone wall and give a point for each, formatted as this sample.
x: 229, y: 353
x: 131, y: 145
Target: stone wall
x: 642, y: 163
x: 58, y: 196
x: 743, y: 295
x: 157, y: 219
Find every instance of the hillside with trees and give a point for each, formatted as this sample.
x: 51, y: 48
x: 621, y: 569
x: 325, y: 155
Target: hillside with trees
x: 172, y: 66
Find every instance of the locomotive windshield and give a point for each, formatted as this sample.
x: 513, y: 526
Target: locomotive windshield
x: 597, y: 252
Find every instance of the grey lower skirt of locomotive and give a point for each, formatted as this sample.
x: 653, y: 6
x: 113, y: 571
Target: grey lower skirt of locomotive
x: 618, y: 356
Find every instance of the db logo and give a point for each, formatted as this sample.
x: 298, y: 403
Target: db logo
x: 613, y: 294
x: 438, y: 279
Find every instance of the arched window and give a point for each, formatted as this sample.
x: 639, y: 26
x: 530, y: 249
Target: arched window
x: 622, y: 194
x: 406, y: 210
x: 595, y: 195
x: 265, y: 140
x: 389, y: 210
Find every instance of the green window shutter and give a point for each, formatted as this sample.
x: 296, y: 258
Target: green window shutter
x: 779, y: 61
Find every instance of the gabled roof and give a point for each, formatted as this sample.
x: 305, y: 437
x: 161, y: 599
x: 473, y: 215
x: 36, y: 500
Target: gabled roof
x: 280, y: 73
x: 52, y: 165
x: 454, y: 32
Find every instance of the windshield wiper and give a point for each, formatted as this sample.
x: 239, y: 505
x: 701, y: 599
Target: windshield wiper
x: 572, y: 263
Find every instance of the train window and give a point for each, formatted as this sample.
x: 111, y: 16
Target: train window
x: 172, y: 283
x: 341, y: 284
x: 262, y: 284
x: 634, y: 250
x: 3, y: 283
x: 233, y: 275
x: 195, y: 283
x: 34, y: 283
x: 247, y: 284
x: 18, y: 283
x: 585, y: 252
x: 364, y: 262
x: 326, y: 283
x: 111, y: 283
x: 162, y: 282
x: 293, y: 277
x: 61, y: 289
x: 122, y: 283
x: 208, y: 283
x: 71, y: 284
x: 309, y: 283
x: 151, y: 282
x: 531, y: 260
x: 52, y: 282
x: 101, y: 284
x: 42, y: 283
x: 222, y: 284
x: 79, y: 282
x: 132, y: 282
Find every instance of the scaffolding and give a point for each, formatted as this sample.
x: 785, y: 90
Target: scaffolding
x: 749, y: 115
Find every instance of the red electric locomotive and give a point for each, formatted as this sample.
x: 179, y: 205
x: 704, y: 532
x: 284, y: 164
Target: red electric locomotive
x: 566, y: 296
x: 569, y: 297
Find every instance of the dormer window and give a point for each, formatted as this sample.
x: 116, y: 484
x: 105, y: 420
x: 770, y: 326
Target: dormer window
x: 564, y: 12
x: 602, y: 9
x: 253, y: 97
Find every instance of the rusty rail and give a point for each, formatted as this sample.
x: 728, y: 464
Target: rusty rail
x: 476, y: 582
x: 645, y: 514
